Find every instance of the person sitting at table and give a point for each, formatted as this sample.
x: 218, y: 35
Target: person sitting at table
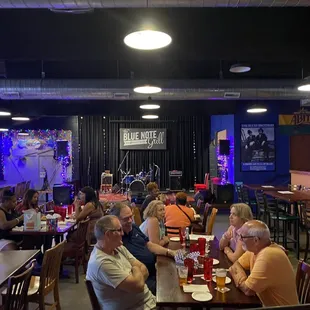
x: 138, y: 244
x: 153, y: 192
x: 271, y: 276
x: 30, y: 201
x: 153, y: 226
x: 87, y: 205
x: 117, y: 277
x: 8, y: 220
x: 230, y: 243
x: 179, y: 215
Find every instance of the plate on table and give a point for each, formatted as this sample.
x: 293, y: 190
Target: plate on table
x: 215, y: 261
x: 174, y: 239
x: 227, y: 280
x: 202, y: 296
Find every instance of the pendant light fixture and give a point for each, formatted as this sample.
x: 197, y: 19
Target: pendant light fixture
x: 150, y: 116
x: 257, y: 108
x: 20, y: 118
x: 4, y: 112
x: 240, y: 68
x: 147, y: 89
x: 305, y: 85
x: 147, y: 40
x: 149, y: 105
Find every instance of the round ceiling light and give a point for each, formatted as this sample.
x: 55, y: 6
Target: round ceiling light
x: 256, y: 109
x: 149, y: 106
x: 240, y: 68
x: 150, y: 116
x: 3, y: 129
x: 20, y: 118
x: 147, y: 40
x: 4, y: 112
x: 147, y: 89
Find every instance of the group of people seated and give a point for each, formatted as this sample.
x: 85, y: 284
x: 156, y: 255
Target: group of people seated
x: 123, y: 262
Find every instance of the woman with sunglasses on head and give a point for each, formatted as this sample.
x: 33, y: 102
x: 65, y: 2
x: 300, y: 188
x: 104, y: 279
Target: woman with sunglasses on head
x: 230, y: 242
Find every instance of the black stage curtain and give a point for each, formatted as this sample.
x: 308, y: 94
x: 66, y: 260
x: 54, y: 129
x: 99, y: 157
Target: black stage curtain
x: 187, y: 148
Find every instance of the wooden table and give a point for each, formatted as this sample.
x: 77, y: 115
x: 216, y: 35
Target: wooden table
x: 13, y: 261
x: 260, y: 187
x: 297, y: 196
x: 170, y: 294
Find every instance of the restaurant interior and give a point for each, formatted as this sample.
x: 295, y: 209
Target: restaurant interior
x: 207, y: 99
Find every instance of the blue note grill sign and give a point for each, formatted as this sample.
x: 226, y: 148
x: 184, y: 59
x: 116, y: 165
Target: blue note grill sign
x: 143, y: 139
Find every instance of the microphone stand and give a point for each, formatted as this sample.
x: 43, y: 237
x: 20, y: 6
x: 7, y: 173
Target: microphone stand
x: 157, y: 175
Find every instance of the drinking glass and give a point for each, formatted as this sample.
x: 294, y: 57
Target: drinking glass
x: 202, y: 246
x: 182, y: 272
x: 193, y: 248
x: 207, y: 268
x: 220, y: 280
x: 189, y: 263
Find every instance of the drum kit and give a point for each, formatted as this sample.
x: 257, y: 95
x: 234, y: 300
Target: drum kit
x: 135, y: 183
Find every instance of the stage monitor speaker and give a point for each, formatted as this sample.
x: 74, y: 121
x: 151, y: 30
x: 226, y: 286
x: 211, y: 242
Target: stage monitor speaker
x: 224, y: 193
x: 224, y: 147
x: 62, y: 148
x: 62, y: 195
x: 175, y: 180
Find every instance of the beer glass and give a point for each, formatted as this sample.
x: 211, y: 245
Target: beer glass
x: 220, y: 279
x: 182, y: 272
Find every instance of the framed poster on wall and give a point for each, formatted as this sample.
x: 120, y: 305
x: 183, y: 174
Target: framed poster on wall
x: 257, y: 147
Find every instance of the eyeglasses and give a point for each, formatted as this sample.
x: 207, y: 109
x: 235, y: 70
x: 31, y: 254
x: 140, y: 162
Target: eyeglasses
x: 119, y: 229
x: 246, y: 237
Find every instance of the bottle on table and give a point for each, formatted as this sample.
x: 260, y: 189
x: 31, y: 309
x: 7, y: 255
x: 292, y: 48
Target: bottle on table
x: 187, y: 238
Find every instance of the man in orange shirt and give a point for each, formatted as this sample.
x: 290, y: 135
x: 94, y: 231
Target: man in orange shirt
x: 179, y: 215
x: 272, y: 276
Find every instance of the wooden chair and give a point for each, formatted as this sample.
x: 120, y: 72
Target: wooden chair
x: 136, y: 216
x: 303, y: 282
x: 92, y: 296
x: 295, y: 307
x: 49, y: 279
x: 76, y: 247
x: 15, y: 296
x: 202, y: 227
x: 170, y: 230
x: 211, y: 221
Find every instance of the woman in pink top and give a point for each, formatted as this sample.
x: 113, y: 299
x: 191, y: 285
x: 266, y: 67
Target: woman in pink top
x: 230, y: 243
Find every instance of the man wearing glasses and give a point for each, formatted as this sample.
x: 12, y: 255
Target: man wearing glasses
x: 138, y: 244
x: 117, y: 277
x: 271, y: 276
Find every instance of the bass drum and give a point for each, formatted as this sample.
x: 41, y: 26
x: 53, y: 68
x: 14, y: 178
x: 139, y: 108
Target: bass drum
x: 137, y: 186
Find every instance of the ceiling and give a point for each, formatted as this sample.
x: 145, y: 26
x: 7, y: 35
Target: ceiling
x: 206, y: 42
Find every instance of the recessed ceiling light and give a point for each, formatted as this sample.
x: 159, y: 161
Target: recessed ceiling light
x: 3, y: 129
x: 147, y: 40
x: 20, y: 118
x: 147, y: 89
x: 240, y: 68
x: 149, y: 106
x: 150, y: 116
x: 256, y: 109
x: 4, y: 112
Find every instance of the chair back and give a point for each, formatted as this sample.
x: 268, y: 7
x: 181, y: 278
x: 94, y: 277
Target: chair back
x: 304, y: 213
x: 303, y: 282
x: 92, y: 296
x: 171, y: 230
x: 205, y: 216
x: 81, y: 234
x: 136, y: 216
x: 49, y: 206
x: 211, y: 221
x: 16, y: 297
x: 260, y: 201
x: 245, y: 195
x: 238, y: 189
x: 49, y: 275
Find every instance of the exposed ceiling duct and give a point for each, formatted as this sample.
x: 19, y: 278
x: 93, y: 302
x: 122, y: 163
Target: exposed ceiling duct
x: 172, y: 90
x: 105, y: 4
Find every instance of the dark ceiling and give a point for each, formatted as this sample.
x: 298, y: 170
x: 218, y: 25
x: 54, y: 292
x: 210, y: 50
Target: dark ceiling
x: 274, y: 41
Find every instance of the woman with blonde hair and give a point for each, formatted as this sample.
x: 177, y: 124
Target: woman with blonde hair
x: 153, y: 226
x: 240, y: 213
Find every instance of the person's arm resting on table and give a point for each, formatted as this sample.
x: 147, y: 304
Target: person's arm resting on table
x: 159, y: 250
x: 233, y: 256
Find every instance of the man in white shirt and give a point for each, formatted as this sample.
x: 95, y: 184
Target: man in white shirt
x: 117, y: 277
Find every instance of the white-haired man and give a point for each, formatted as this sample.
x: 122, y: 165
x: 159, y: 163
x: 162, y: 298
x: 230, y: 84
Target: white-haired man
x: 271, y: 276
x: 117, y: 277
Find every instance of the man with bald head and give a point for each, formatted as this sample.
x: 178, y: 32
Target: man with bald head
x: 271, y: 276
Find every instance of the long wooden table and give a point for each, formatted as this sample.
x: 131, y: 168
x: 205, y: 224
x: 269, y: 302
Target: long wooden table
x: 260, y: 187
x: 297, y: 196
x: 170, y: 294
x: 12, y: 261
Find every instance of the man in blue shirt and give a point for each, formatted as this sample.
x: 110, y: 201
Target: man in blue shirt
x: 138, y: 244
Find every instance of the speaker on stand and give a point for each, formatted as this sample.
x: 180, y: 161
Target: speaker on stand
x: 175, y: 180
x: 62, y: 194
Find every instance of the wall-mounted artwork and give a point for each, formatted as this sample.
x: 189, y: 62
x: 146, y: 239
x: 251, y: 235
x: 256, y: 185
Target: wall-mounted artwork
x: 257, y: 147
x: 35, y: 155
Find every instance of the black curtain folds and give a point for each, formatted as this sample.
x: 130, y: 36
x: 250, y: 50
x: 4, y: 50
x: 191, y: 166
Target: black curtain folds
x: 187, y: 148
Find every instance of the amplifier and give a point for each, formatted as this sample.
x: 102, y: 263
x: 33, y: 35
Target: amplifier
x: 224, y: 193
x: 175, y: 173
